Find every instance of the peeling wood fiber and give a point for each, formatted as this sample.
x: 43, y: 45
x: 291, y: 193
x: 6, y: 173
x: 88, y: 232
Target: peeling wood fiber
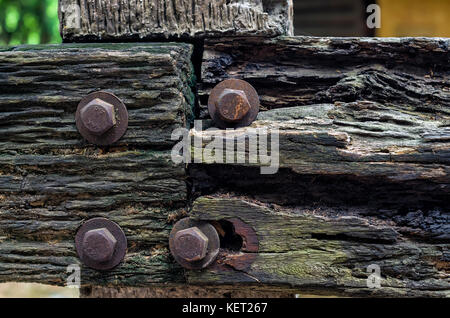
x: 364, y: 165
x: 323, y: 251
x: 363, y: 180
x: 149, y: 19
x: 51, y: 180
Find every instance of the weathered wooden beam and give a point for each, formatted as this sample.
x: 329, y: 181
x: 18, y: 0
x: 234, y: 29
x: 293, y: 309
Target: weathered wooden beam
x: 296, y: 71
x: 398, y: 151
x: 367, y: 115
x: 51, y: 180
x: 364, y: 166
x: 88, y: 20
x: 40, y: 86
x: 363, y: 173
x: 321, y: 250
x: 181, y: 291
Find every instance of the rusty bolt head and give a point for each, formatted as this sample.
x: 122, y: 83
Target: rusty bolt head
x: 99, y: 245
x: 98, y: 117
x: 191, y: 244
x: 194, y: 244
x: 101, y: 118
x: 233, y: 105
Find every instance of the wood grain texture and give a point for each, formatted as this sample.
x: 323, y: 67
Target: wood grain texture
x: 296, y: 71
x: 363, y: 144
x: 181, y: 291
x: 51, y: 181
x: 326, y: 251
x: 364, y: 165
x: 360, y: 119
x: 149, y: 19
x: 41, y: 87
x: 363, y: 179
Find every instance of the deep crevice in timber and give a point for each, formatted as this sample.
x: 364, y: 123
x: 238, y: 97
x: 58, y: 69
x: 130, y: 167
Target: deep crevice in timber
x: 197, y: 60
x: 290, y: 189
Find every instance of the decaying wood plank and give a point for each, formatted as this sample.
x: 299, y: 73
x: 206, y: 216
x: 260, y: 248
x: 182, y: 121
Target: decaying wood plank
x: 41, y: 85
x: 323, y: 251
x: 363, y: 178
x: 370, y: 116
x: 295, y: 71
x: 180, y: 291
x: 364, y: 165
x: 363, y: 144
x: 150, y: 19
x: 51, y: 181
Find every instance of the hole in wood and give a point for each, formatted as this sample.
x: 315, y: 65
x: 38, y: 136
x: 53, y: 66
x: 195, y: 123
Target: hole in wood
x: 228, y: 238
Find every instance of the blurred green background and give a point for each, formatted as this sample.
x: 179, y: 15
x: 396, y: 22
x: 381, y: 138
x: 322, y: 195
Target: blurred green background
x: 29, y: 22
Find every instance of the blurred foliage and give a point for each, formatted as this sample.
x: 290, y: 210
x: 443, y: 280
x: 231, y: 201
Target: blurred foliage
x: 29, y: 22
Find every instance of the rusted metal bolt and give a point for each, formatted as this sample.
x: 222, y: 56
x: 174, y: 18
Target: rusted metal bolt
x: 191, y: 244
x: 194, y: 244
x: 99, y: 245
x: 233, y: 105
x: 101, y: 118
x: 98, y: 117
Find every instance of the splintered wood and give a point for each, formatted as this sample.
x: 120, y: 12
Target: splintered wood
x: 147, y: 19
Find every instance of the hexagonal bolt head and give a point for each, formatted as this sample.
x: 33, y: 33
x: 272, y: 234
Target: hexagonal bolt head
x: 98, y: 117
x: 233, y: 105
x: 99, y: 245
x: 191, y: 244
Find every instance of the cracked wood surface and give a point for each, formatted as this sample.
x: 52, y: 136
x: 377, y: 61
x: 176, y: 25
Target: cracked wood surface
x: 88, y: 20
x: 321, y: 250
x: 296, y: 71
x: 51, y: 180
x: 367, y: 115
x: 40, y: 85
x: 399, y: 152
x: 363, y: 177
x: 364, y: 165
